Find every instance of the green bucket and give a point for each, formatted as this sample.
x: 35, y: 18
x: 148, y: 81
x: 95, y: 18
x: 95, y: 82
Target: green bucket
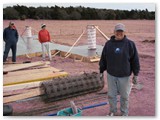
x: 68, y: 112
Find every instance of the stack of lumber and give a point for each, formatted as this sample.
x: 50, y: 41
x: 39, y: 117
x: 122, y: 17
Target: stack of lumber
x: 23, y: 80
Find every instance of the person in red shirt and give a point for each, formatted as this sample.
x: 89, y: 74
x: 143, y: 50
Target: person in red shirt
x: 44, y: 39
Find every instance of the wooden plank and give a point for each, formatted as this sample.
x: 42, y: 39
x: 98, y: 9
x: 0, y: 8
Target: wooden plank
x: 8, y: 90
x: 95, y: 60
x: 77, y: 60
x: 32, y: 78
x: 24, y: 62
x: 14, y: 92
x: 42, y: 75
x: 27, y: 94
x: 22, y: 66
x: 33, y: 71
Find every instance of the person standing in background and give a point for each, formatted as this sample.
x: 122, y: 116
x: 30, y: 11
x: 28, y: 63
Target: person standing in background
x: 44, y: 39
x: 10, y: 37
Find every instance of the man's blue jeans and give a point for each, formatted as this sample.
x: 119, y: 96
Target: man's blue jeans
x: 13, y: 47
x: 121, y: 86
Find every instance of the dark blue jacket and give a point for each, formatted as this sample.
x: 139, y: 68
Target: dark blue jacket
x: 119, y: 58
x: 10, y: 35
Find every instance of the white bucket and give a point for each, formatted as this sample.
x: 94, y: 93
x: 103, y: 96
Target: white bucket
x: 91, y: 32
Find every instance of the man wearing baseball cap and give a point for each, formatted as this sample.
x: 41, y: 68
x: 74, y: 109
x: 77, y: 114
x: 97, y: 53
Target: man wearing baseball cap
x: 10, y: 37
x: 120, y: 59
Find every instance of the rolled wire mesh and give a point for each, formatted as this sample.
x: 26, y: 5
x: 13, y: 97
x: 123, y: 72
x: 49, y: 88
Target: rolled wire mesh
x: 70, y: 86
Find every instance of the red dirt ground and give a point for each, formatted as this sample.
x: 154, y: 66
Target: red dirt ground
x: 142, y: 102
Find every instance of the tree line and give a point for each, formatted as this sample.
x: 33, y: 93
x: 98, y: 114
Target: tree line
x: 73, y: 13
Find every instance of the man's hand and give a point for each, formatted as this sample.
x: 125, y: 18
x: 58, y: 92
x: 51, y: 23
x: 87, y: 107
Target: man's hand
x: 134, y: 79
x: 101, y: 76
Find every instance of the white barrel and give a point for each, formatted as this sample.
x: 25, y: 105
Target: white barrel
x: 91, y: 33
x: 28, y: 31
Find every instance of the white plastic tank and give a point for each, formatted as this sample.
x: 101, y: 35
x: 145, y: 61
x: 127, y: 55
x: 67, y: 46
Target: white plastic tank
x: 91, y: 33
x: 28, y: 31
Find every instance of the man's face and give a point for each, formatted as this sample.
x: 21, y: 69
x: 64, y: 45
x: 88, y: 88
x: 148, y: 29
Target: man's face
x: 44, y: 27
x: 119, y: 35
x: 11, y: 26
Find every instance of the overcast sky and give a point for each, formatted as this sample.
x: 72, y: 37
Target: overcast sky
x: 120, y: 6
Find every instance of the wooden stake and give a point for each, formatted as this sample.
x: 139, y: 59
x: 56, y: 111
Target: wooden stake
x: 75, y: 43
x: 68, y: 55
x: 107, y: 38
x: 56, y: 53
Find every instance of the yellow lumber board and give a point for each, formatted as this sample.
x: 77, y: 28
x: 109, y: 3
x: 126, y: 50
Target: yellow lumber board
x: 26, y: 76
x: 32, y: 77
x: 22, y: 66
x: 27, y: 94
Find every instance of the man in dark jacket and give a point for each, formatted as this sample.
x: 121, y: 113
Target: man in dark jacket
x: 120, y: 59
x: 10, y: 37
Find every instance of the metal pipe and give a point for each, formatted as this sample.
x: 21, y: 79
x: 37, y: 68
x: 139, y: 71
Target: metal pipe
x: 95, y: 105
x: 86, y: 107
